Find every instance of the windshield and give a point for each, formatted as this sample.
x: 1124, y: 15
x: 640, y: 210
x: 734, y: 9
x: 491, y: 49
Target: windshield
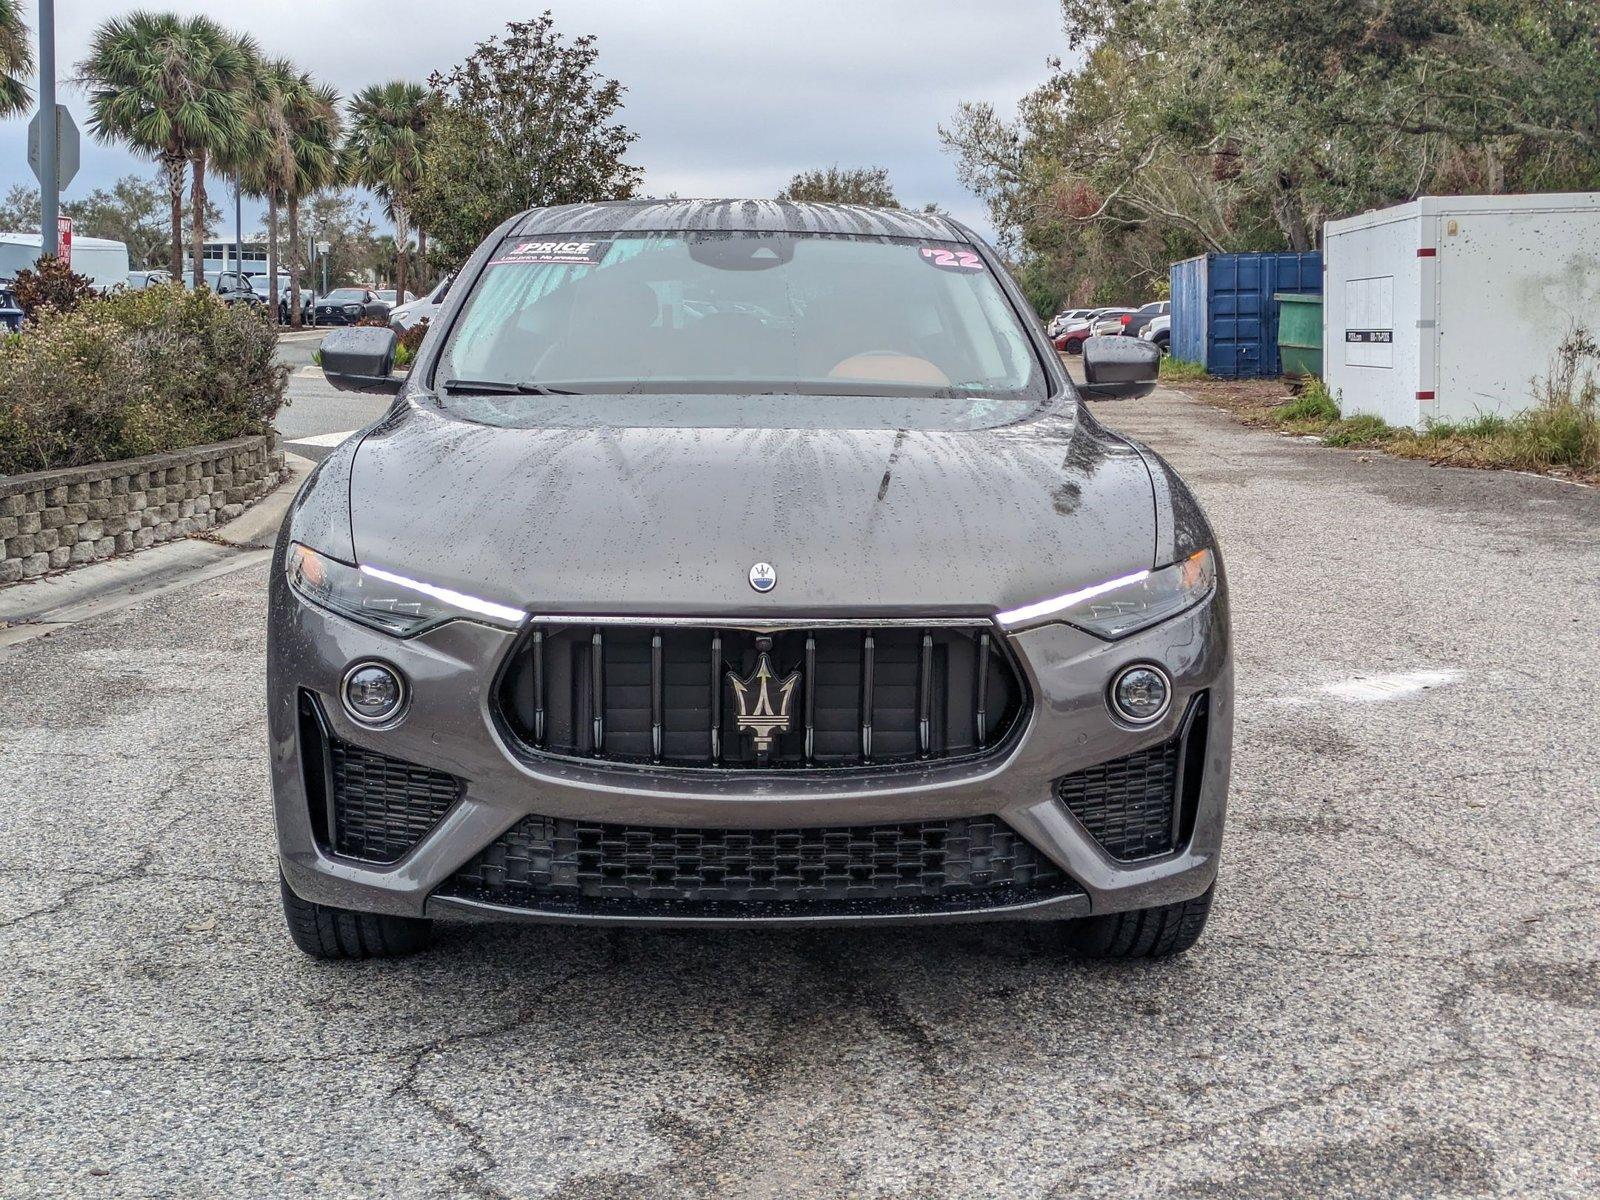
x: 740, y: 313
x: 347, y: 294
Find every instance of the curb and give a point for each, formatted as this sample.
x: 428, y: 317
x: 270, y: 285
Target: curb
x: 39, y: 607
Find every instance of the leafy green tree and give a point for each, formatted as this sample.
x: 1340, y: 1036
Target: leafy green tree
x: 341, y: 218
x: 173, y: 88
x: 1188, y: 125
x: 853, y: 185
x: 384, y: 152
x: 16, y: 60
x: 132, y: 210
x: 525, y: 121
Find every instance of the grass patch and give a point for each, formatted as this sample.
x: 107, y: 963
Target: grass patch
x: 1363, y: 430
x: 1312, y: 405
x: 1559, y: 434
x: 1174, y: 371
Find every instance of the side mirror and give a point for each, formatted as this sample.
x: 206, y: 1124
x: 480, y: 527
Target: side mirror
x: 1119, y: 368
x: 360, y: 359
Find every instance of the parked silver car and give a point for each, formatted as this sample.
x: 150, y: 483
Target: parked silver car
x: 825, y: 601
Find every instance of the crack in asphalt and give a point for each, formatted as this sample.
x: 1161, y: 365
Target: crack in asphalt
x: 1132, y: 1155
x: 706, y: 1154
x: 136, y: 870
x: 473, y: 1178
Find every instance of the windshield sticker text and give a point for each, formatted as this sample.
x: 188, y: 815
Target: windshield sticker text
x: 951, y: 260
x: 586, y: 254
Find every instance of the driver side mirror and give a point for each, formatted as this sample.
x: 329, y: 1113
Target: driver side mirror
x: 1119, y: 368
x: 360, y: 359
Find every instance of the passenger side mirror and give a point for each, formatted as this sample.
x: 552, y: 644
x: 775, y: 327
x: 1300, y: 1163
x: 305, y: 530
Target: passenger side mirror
x: 1119, y: 368
x: 360, y: 359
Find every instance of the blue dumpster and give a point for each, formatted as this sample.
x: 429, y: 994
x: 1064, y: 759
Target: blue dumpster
x: 1223, y: 313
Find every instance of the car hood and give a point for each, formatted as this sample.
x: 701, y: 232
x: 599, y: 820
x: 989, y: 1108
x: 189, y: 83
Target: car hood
x: 657, y: 517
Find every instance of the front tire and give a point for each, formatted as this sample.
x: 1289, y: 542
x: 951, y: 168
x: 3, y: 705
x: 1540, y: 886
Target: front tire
x: 323, y: 931
x: 1075, y: 346
x: 1142, y: 933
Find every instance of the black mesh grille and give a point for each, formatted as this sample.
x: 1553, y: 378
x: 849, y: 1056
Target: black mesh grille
x: 1127, y: 803
x: 544, y: 863
x: 382, y: 806
x: 848, y: 697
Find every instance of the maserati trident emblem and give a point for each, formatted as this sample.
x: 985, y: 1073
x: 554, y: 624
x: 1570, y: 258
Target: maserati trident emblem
x: 762, y: 577
x: 764, y: 700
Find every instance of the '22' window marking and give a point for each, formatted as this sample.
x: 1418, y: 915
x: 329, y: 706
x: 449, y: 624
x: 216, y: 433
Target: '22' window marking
x: 952, y: 260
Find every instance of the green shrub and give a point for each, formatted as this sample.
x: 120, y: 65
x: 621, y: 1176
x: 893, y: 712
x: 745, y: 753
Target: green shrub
x: 135, y: 373
x: 53, y: 284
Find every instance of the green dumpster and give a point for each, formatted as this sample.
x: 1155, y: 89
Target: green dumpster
x: 1300, y: 332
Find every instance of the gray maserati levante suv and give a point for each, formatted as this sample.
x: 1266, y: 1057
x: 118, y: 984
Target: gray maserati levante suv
x: 745, y: 563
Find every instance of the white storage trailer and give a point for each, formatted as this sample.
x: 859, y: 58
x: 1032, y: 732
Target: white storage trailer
x: 103, y: 260
x: 1449, y: 307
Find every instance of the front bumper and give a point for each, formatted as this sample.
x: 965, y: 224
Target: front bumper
x: 448, y: 727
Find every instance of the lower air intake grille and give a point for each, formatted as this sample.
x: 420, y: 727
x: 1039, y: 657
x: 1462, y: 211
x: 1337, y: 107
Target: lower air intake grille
x: 545, y: 863
x: 383, y: 806
x: 1138, y: 806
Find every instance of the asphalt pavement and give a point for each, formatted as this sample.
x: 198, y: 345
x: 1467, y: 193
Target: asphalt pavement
x: 1397, y: 996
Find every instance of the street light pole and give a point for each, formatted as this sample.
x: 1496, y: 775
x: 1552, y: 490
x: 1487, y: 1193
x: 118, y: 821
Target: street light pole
x: 49, y: 210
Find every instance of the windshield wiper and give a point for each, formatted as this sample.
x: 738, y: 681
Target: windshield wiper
x: 501, y: 387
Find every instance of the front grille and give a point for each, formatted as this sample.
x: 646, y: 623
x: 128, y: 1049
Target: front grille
x: 835, y: 697
x: 364, y: 804
x: 1135, y: 806
x: 555, y: 864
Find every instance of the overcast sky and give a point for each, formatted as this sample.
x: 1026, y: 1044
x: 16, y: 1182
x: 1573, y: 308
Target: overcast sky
x: 729, y: 97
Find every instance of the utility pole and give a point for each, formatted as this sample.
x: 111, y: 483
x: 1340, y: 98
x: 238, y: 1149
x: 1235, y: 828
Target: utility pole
x: 49, y: 187
x: 238, y: 233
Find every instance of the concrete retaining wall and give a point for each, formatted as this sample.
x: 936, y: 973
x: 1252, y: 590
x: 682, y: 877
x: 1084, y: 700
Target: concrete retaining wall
x: 54, y: 519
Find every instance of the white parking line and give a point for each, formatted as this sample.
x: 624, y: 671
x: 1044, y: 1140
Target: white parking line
x: 320, y: 439
x: 1367, y: 688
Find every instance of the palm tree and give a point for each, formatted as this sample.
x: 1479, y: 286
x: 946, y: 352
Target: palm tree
x: 388, y: 123
x: 259, y: 161
x: 312, y: 127
x: 173, y: 88
x: 16, y: 60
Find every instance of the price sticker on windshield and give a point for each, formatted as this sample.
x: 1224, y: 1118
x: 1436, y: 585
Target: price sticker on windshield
x: 966, y: 261
x: 559, y: 253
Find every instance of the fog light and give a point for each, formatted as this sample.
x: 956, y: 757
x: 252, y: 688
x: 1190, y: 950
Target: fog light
x: 1141, y: 694
x: 373, y: 692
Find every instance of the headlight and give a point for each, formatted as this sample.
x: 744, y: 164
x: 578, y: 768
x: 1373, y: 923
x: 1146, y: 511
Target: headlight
x: 1118, y: 607
x: 384, y: 600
